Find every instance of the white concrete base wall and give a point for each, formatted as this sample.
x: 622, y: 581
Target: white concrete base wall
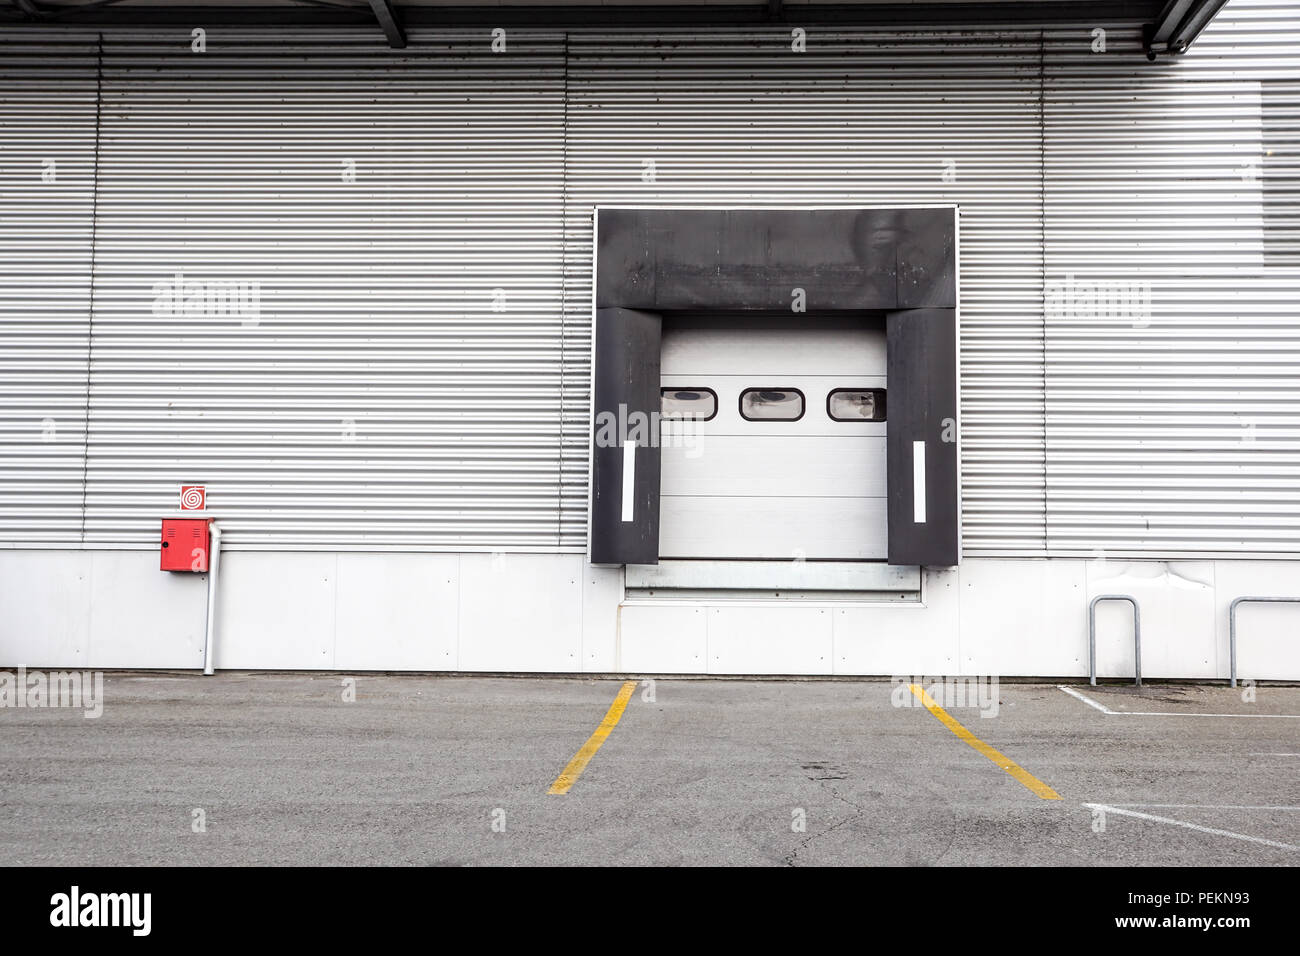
x: 554, y: 613
x: 1010, y: 618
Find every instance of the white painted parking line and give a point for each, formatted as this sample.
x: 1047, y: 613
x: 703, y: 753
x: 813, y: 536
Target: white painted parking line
x: 1087, y: 700
x: 1160, y: 713
x: 1253, y: 754
x: 1201, y: 806
x: 1120, y: 811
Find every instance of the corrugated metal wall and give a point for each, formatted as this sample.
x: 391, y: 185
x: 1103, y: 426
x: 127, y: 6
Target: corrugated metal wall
x: 397, y: 381
x: 415, y: 229
x: 1173, y: 343
x: 47, y: 162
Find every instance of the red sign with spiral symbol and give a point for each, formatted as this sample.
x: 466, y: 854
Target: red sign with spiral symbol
x: 193, y: 497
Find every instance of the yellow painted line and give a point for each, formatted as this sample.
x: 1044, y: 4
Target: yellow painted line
x: 1032, y: 783
x: 570, y: 774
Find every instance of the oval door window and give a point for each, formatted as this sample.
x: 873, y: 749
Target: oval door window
x: 698, y: 404
x: 856, y: 404
x: 771, y: 404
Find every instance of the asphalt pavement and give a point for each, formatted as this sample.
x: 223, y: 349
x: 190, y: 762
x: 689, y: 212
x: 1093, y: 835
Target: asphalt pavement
x: 288, y: 769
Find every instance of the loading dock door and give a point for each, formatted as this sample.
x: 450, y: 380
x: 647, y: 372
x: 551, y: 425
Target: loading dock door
x: 652, y: 264
x: 772, y: 475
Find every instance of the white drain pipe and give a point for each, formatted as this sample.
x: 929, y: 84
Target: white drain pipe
x: 214, y: 568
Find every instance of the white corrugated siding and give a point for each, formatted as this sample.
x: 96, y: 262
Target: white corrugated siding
x: 379, y: 401
x: 1175, y: 429
x: 47, y: 157
x: 384, y: 394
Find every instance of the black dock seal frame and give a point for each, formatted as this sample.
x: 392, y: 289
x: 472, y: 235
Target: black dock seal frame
x: 900, y: 261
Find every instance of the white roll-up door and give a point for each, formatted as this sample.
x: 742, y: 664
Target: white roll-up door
x: 763, y: 470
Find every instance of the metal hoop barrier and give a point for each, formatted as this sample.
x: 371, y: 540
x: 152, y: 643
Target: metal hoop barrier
x: 1092, y: 635
x: 1232, y: 625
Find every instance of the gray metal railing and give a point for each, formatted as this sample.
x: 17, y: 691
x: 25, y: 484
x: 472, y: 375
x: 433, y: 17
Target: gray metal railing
x: 1232, y: 625
x: 1092, y: 635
